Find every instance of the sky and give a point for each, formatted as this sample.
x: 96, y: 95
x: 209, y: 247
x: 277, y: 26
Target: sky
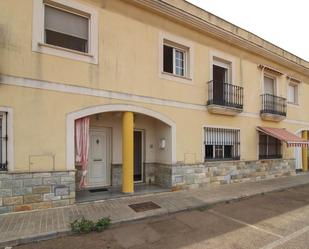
x: 284, y: 23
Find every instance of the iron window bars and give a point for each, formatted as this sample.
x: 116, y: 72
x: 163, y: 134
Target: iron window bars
x: 269, y: 147
x: 222, y: 144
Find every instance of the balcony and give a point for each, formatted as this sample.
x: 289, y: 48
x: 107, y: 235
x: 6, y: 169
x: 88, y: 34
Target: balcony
x: 273, y: 108
x: 224, y: 98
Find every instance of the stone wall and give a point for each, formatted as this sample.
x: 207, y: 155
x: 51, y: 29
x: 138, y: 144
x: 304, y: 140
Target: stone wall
x: 116, y: 174
x: 198, y: 175
x: 154, y: 173
x: 217, y: 172
x: 30, y: 191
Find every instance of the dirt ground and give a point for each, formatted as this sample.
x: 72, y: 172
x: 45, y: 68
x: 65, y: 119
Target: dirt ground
x: 274, y: 220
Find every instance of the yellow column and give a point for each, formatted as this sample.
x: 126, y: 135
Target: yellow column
x: 127, y: 152
x: 305, y: 152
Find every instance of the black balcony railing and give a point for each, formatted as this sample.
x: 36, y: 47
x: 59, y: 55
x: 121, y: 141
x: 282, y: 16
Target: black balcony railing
x: 224, y: 94
x: 273, y: 105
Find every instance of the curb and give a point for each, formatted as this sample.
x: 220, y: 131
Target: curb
x: 35, y: 238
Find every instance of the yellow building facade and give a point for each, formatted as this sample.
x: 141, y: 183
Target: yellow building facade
x: 176, y: 97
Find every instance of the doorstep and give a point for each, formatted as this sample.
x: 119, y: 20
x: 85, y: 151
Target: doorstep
x: 112, y: 192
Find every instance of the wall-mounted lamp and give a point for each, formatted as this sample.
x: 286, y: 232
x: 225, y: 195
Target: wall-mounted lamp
x: 162, y: 143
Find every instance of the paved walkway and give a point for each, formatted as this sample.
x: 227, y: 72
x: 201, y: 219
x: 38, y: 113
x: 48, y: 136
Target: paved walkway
x: 28, y: 226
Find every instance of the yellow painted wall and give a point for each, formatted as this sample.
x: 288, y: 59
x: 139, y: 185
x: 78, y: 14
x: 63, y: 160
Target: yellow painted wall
x: 128, y: 63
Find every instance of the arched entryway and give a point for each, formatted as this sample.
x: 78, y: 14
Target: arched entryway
x: 155, y: 143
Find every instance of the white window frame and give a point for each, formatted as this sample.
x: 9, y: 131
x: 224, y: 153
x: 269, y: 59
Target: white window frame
x: 224, y: 64
x: 7, y: 124
x: 38, y: 40
x: 184, y: 52
x: 183, y: 45
x: 296, y: 95
x: 225, y: 60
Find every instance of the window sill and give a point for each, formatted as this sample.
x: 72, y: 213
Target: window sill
x: 65, y: 53
x: 293, y: 104
x: 209, y: 160
x: 178, y: 78
x: 64, y: 49
x: 270, y: 158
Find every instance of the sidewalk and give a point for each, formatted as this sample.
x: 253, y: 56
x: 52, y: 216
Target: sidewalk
x: 28, y: 226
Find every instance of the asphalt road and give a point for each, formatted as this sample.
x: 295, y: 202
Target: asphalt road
x: 274, y: 220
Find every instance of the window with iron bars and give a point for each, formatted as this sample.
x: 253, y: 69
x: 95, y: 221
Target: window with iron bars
x: 269, y: 147
x: 222, y: 144
x: 3, y: 141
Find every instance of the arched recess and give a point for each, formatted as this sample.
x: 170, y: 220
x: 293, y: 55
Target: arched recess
x: 71, y: 117
x: 298, y: 151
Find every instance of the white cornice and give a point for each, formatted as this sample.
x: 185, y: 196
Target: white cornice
x: 202, y: 25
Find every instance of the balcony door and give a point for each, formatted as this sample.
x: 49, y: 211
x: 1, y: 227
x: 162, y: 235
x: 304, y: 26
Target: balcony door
x: 221, y: 72
x: 219, y: 78
x: 269, y: 85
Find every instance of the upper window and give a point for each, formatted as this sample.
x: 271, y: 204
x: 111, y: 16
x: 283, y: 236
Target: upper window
x: 66, y: 29
x: 222, y: 144
x: 3, y: 141
x: 175, y: 59
x: 269, y: 85
x: 269, y: 147
x: 293, y: 93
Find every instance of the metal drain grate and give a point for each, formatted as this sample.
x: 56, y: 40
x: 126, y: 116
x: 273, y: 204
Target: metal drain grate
x: 144, y: 206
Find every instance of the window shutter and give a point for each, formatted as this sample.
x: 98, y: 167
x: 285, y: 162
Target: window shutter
x: 291, y: 94
x: 168, y: 59
x: 269, y: 85
x: 66, y: 23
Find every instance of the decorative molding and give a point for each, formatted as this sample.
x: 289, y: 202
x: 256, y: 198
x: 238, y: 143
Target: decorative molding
x: 39, y: 45
x: 203, y: 25
x: 218, y: 55
x: 59, y: 87
x: 189, y: 67
x: 271, y: 70
x: 293, y: 79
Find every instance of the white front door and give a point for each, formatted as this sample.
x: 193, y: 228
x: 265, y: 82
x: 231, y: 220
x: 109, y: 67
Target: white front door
x: 99, y: 166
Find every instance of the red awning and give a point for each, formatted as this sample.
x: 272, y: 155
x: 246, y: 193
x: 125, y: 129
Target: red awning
x: 285, y: 136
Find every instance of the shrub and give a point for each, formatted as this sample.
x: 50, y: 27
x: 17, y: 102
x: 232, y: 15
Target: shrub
x: 83, y: 225
x: 102, y: 224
